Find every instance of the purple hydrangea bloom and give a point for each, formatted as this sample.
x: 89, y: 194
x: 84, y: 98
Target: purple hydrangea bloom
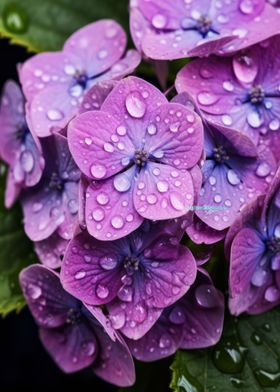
x: 241, y: 92
x: 137, y: 276
x: 18, y: 148
x: 174, y: 29
x: 195, y: 321
x: 75, y: 336
x: 52, y: 205
x: 138, y: 149
x: 234, y: 172
x: 253, y: 246
x: 55, y: 83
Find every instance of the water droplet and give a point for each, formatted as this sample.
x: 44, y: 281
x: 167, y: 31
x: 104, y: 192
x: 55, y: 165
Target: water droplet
x: 139, y: 313
x: 117, y: 222
x: 76, y: 90
x: 102, y: 292
x: 254, y: 119
x: 121, y: 130
x: 228, y: 86
x: 89, y: 349
x: 125, y: 294
x: 80, y: 275
x: 159, y: 21
x: 55, y: 115
x: 108, y: 263
x: 152, y: 129
x: 135, y: 105
x: 37, y: 207
x: 27, y: 161
x: 164, y: 341
x: 69, y: 69
x: 206, y: 296
x: 207, y: 98
x: 102, y: 198
x: 232, y: 177
x: 118, y: 320
x: 274, y: 125
x: 152, y: 199
x: 102, y: 54
x: 15, y: 18
x: 237, y: 383
x: 98, y: 171
x: 267, y: 327
x: 228, y: 357
x: 34, y: 291
x: 246, y: 6
x: 227, y: 120
x: 162, y: 186
x: 108, y: 147
x: 122, y: 182
x: 245, y: 68
x: 217, y: 198
x: 88, y: 141
x: 256, y: 339
x: 263, y: 169
x: 98, y: 214
x: 272, y: 294
x: 267, y: 379
x: 176, y: 201
x: 174, y: 127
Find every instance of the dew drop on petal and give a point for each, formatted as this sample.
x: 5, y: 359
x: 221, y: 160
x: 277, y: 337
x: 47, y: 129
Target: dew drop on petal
x: 245, y: 68
x: 98, y: 214
x: 159, y: 21
x: 125, y: 294
x: 164, y: 341
x: 254, y: 119
x: 88, y: 141
x: 108, y: 263
x: 274, y: 125
x: 227, y: 119
x: 55, y: 115
x: 152, y: 199
x: 122, y: 182
x: 108, y: 147
x: 27, y: 161
x: 228, y: 86
x: 206, y: 98
x: 263, y: 169
x: 162, y: 186
x: 34, y: 291
x: 80, y: 275
x: 206, y: 296
x: 176, y: 201
x: 232, y: 177
x: 117, y: 222
x: 135, y: 104
x: 121, y: 130
x: 73, y: 206
x: 152, y: 129
x: 98, y: 171
x: 246, y: 6
x: 102, y: 54
x: 102, y: 198
x: 118, y: 320
x: 102, y: 292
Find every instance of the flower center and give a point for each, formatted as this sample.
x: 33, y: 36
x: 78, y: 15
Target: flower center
x: 141, y: 157
x: 56, y: 183
x: 73, y: 316
x: 81, y: 80
x: 21, y: 132
x: 204, y: 24
x: 273, y: 244
x: 131, y: 264
x: 257, y: 95
x: 220, y: 154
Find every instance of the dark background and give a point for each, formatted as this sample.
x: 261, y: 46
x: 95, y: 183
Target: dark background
x: 23, y: 361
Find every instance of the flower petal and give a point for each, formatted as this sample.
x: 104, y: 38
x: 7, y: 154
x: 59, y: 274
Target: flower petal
x: 90, y: 271
x: 51, y: 250
x: 47, y: 300
x: 110, y: 213
x: 72, y: 347
x: 163, y: 192
x: 98, y: 144
x: 200, y: 233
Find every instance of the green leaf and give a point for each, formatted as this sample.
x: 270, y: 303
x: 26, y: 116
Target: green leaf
x: 246, y: 359
x: 16, y: 252
x: 151, y: 377
x: 44, y: 25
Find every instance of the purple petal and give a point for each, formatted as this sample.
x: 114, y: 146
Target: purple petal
x: 90, y: 271
x: 98, y: 144
x: 110, y: 213
x: 72, y: 347
x: 51, y: 250
x: 200, y: 233
x: 96, y: 95
x: 163, y: 192
x: 12, y: 190
x: 47, y: 300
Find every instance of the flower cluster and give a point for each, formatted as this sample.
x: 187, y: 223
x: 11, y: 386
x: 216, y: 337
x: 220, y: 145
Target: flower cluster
x: 114, y: 180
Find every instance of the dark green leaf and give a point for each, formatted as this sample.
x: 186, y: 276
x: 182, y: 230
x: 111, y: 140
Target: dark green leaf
x: 16, y: 252
x: 246, y: 359
x: 44, y: 25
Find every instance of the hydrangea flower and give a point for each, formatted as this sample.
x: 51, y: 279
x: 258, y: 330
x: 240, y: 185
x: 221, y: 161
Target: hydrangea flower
x: 234, y: 171
x: 18, y: 148
x: 55, y: 83
x: 137, y: 276
x: 174, y: 29
x: 52, y: 205
x: 74, y: 336
x: 138, y: 149
x: 253, y: 249
x: 195, y: 321
x: 240, y: 92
